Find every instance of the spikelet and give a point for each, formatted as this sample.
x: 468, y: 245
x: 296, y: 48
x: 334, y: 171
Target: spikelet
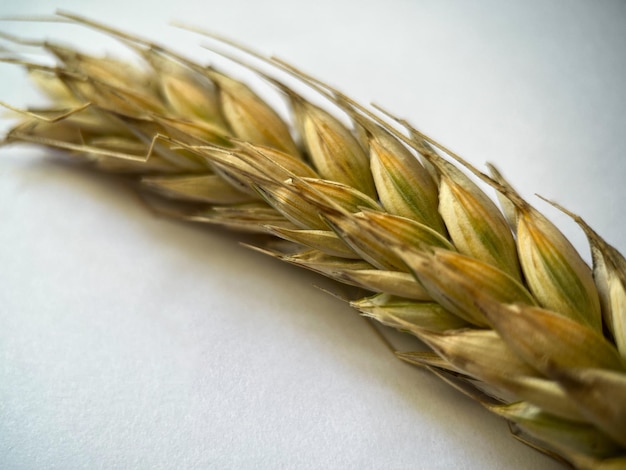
x: 514, y: 317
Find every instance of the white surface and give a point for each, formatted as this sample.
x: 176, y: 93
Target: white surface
x: 129, y: 341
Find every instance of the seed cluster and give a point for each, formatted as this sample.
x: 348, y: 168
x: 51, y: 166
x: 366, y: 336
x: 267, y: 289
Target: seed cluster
x: 513, y: 315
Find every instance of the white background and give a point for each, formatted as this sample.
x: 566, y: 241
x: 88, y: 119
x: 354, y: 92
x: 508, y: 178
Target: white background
x: 128, y: 341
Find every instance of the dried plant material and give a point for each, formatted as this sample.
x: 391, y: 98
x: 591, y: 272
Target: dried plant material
x: 513, y: 316
x: 549, y: 341
x: 476, y: 226
x: 208, y: 188
x: 409, y: 315
x: 478, y: 353
x: 404, y: 186
x: 609, y: 273
x: 190, y: 94
x: 599, y: 394
x: 249, y: 217
x: 392, y: 282
x: 250, y: 118
x: 576, y: 436
x: 366, y: 234
x: 334, y: 151
x: 322, y: 240
x: 457, y: 281
x: 555, y: 272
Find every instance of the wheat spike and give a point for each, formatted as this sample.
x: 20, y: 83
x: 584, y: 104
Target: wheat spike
x: 513, y: 315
